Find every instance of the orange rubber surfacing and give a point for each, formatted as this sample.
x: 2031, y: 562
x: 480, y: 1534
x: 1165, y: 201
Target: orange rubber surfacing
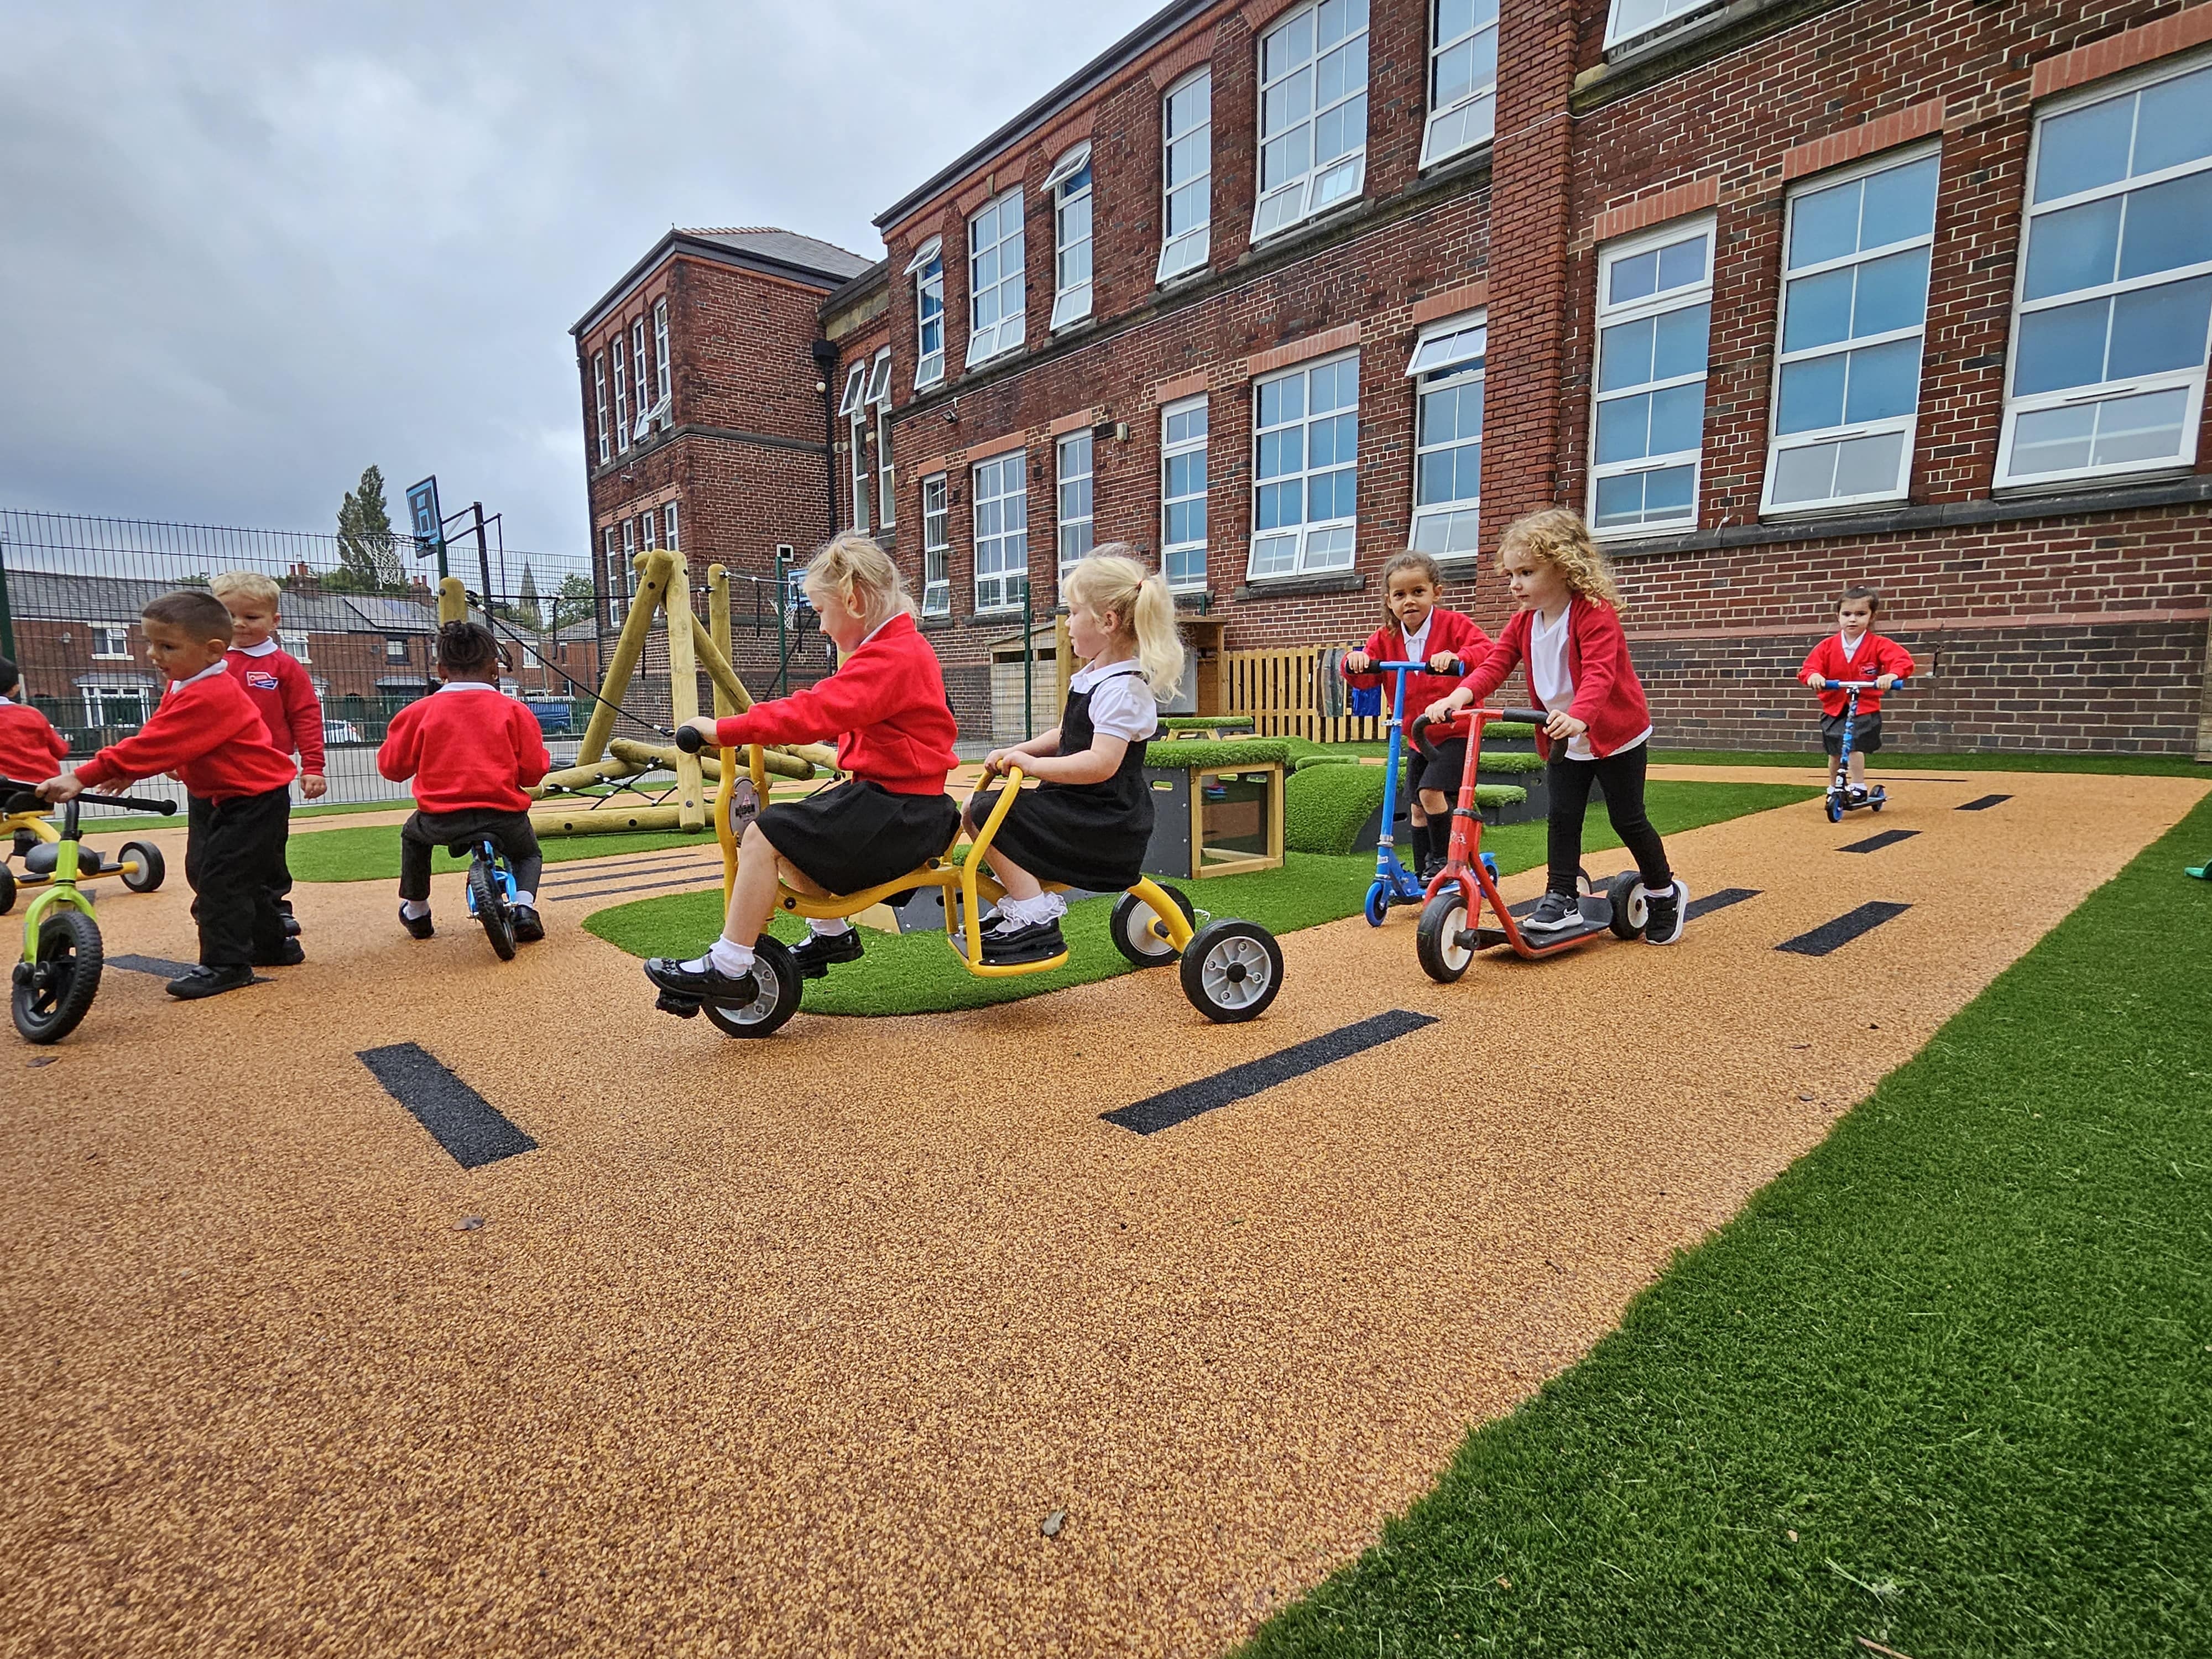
x: 793, y: 1345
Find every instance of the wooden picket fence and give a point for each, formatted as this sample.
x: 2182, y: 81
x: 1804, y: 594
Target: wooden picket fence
x: 1280, y: 691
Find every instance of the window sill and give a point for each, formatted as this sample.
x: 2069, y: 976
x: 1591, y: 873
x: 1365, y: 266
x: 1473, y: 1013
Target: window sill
x: 1075, y: 325
x: 1649, y: 59
x: 1836, y: 510
x: 934, y: 622
x: 1197, y: 273
x: 1291, y: 235
x: 1000, y: 355
x: 1474, y: 157
x: 1277, y: 587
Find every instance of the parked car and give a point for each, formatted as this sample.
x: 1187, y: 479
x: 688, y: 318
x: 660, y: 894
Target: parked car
x: 338, y: 731
x: 556, y: 717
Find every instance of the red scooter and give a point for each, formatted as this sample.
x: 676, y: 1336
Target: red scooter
x: 1450, y: 931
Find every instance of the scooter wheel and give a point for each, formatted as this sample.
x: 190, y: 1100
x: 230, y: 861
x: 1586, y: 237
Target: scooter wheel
x: 1584, y: 887
x: 148, y: 857
x: 487, y: 904
x: 53, y: 993
x: 7, y: 889
x: 1378, y: 903
x: 1137, y: 931
x: 1877, y: 801
x: 773, y: 1004
x: 1232, y: 970
x: 1629, y: 909
x: 1439, y: 940
x: 1835, y: 811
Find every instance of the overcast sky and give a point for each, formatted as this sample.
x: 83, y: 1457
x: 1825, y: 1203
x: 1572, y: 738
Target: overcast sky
x: 246, y: 249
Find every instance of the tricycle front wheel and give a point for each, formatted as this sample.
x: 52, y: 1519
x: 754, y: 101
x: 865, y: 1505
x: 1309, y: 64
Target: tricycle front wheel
x: 53, y: 992
x: 1137, y: 933
x: 775, y: 1000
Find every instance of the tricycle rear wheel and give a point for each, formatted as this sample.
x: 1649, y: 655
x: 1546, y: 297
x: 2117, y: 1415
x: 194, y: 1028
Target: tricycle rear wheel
x: 1232, y: 970
x: 54, y: 992
x: 7, y: 889
x: 148, y: 857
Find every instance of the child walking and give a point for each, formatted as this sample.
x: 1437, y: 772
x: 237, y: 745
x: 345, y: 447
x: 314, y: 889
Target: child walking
x: 237, y: 786
x: 886, y: 707
x: 472, y: 752
x: 1597, y: 725
x: 278, y: 685
x: 1416, y: 629
x: 31, y: 751
x: 1088, y: 822
x: 1855, y: 651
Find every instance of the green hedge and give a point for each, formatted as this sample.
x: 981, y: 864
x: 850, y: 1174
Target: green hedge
x: 1208, y: 755
x: 1511, y: 729
x: 1510, y: 761
x: 1325, y: 759
x: 1206, y: 722
x: 1325, y: 807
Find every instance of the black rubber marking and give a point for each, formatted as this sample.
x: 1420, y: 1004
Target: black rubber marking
x: 697, y: 882
x: 1834, y: 935
x: 1984, y: 804
x: 458, y: 1118
x: 1180, y: 1105
x: 155, y: 965
x: 1721, y: 901
x: 617, y: 872
x: 1875, y: 843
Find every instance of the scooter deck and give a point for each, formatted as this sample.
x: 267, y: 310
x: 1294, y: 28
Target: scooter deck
x: 1484, y: 939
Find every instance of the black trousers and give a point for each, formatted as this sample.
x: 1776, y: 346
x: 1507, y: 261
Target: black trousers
x: 425, y: 832
x: 1622, y: 775
x: 234, y: 860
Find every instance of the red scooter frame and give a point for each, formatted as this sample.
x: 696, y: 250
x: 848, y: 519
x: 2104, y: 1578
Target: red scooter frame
x: 1450, y: 931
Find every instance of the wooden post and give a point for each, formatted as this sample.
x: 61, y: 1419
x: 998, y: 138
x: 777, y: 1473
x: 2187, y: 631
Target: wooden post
x: 684, y: 686
x: 1063, y: 666
x: 727, y: 686
x: 629, y: 646
x: 453, y: 601
x: 718, y: 630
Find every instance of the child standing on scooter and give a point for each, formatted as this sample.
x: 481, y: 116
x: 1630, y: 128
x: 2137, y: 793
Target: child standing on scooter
x: 1416, y: 629
x: 886, y: 707
x: 1597, y: 725
x: 1090, y: 820
x: 472, y: 752
x: 1855, y: 651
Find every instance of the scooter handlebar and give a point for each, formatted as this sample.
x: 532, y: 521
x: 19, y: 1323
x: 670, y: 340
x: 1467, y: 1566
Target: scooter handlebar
x: 22, y: 799
x: 1526, y: 716
x: 690, y: 739
x: 1861, y: 685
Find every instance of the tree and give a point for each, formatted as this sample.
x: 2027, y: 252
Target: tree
x: 526, y: 599
x: 575, y: 602
x: 368, y: 555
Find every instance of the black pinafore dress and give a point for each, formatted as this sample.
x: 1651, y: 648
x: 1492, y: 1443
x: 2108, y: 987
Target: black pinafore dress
x: 1086, y: 835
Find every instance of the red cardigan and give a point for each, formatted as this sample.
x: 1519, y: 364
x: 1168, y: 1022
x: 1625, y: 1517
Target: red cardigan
x: 31, y: 751
x: 1608, y: 698
x: 465, y: 748
x: 1449, y: 630
x: 1877, y: 656
x: 285, y: 696
x: 885, y: 705
x: 209, y: 734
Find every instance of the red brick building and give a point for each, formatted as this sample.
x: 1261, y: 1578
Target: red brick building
x: 1786, y: 293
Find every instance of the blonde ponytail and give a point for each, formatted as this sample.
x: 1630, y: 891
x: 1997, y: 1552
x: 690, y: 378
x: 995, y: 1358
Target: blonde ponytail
x: 1111, y: 579
x: 855, y: 569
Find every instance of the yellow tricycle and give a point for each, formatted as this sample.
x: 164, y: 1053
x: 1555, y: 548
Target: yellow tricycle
x: 31, y: 837
x: 1231, y: 968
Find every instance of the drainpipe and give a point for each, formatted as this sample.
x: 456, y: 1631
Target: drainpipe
x: 825, y: 376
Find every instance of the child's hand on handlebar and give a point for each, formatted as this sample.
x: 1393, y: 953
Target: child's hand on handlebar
x: 1445, y: 662
x: 708, y: 728
x: 64, y: 787
x: 1884, y: 682
x: 1560, y: 723
x: 1814, y: 679
x: 1357, y: 662
x: 996, y: 762
x: 1446, y: 707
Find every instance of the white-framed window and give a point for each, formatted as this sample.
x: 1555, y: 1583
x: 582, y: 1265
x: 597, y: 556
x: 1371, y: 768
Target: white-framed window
x: 886, y: 474
x: 660, y: 380
x: 997, y: 289
x: 626, y: 570
x: 295, y: 643
x: 111, y: 642
x: 638, y: 369
x: 927, y: 270
x: 114, y: 705
x: 1462, y: 77
x: 668, y: 527
x: 648, y: 530
x: 1313, y: 114
x: 1001, y: 499
x: 2114, y: 297
x: 879, y: 377
x: 1846, y: 398
x: 1630, y: 18
x: 1073, y: 456
x: 936, y: 548
x: 1305, y: 468
x: 856, y: 391
x: 1654, y: 322
x: 599, y: 401
x: 622, y: 401
x: 1186, y: 176
x: 1182, y: 492
x: 615, y: 572
x: 1446, y: 370
x: 856, y: 444
x: 1068, y: 183
x: 395, y: 647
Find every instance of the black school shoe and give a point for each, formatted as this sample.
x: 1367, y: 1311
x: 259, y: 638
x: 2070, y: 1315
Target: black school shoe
x: 1554, y: 913
x: 1009, y: 945
x: 209, y: 982
x: 528, y: 929
x: 417, y: 926
x: 1665, y: 915
x: 815, y: 954
x: 711, y: 985
x: 288, y: 955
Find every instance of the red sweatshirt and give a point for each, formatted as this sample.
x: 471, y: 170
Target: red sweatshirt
x: 1449, y: 630
x: 284, y: 693
x: 1876, y: 656
x: 31, y: 751
x: 1608, y: 698
x: 885, y: 705
x: 466, y: 746
x: 206, y: 730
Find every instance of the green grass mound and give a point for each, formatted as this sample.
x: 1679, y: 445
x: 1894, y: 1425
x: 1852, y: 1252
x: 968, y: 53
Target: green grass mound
x: 1209, y: 753
x: 1207, y: 723
x: 1943, y: 1386
x: 371, y: 853
x: 1326, y: 807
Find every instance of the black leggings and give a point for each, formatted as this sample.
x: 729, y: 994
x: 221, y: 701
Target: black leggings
x: 1622, y: 775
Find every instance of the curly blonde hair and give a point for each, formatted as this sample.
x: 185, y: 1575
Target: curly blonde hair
x: 1558, y: 537
x: 855, y: 568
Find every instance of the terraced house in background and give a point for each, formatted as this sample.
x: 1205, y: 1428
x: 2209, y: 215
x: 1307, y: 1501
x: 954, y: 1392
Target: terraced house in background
x: 1781, y: 293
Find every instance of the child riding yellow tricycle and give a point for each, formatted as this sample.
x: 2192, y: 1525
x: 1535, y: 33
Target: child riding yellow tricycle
x: 32, y: 837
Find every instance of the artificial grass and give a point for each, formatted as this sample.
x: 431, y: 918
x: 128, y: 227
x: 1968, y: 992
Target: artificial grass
x: 1206, y: 754
x: 2001, y: 760
x: 177, y: 820
x: 1325, y: 808
x: 917, y: 972
x: 1945, y: 1386
x: 371, y: 853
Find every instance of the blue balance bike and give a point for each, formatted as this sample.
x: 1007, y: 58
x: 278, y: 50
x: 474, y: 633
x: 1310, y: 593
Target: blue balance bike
x: 1838, y: 800
x: 1393, y: 884
x: 491, y: 892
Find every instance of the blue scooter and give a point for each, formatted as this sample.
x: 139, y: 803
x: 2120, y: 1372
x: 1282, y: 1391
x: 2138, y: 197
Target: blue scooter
x: 1393, y: 884
x: 1839, y: 800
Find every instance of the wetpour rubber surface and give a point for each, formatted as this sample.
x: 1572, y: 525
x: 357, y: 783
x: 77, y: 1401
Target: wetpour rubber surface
x: 799, y: 1345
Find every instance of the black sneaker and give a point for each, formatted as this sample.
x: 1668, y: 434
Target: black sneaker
x: 815, y: 954
x: 287, y: 955
x: 209, y: 982
x: 291, y: 926
x: 1555, y: 913
x: 417, y: 926
x: 528, y: 928
x: 699, y: 980
x: 1858, y: 795
x: 1011, y: 943
x: 1665, y: 915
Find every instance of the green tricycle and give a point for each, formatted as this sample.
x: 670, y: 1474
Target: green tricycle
x: 59, y: 974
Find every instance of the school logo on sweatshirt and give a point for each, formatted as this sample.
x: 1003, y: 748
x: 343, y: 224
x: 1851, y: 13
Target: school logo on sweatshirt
x: 260, y: 679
